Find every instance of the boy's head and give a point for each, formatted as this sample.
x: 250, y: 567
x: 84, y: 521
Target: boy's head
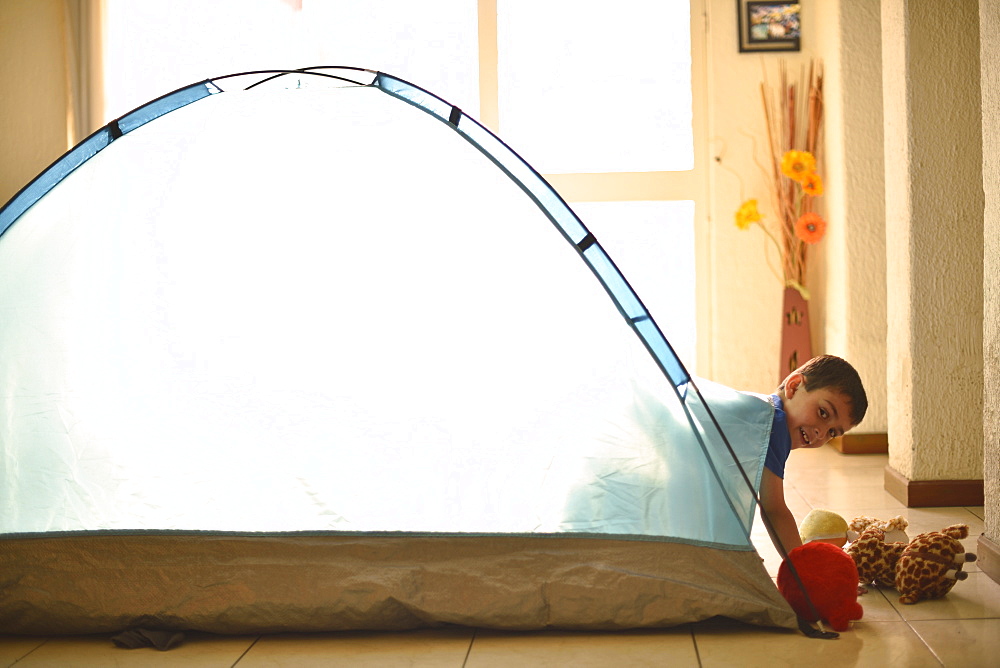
x: 834, y: 373
x: 823, y: 398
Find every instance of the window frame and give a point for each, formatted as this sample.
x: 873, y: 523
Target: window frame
x: 689, y: 184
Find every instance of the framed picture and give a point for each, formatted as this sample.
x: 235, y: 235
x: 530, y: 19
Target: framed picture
x: 769, y: 26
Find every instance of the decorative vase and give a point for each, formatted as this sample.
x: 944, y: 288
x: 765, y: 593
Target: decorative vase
x: 796, y: 347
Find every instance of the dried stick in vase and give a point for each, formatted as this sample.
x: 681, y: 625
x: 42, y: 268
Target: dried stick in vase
x: 815, y: 109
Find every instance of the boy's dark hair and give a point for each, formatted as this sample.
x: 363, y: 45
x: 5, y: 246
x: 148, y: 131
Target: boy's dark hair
x: 829, y: 371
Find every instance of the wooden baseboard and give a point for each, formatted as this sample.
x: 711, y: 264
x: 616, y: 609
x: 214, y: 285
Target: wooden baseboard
x: 861, y: 444
x: 988, y: 554
x: 933, y: 493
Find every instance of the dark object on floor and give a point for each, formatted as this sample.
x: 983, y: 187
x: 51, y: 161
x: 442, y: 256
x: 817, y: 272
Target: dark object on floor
x: 136, y: 638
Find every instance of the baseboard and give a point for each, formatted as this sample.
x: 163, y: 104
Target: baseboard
x: 861, y: 444
x: 988, y: 554
x: 933, y: 493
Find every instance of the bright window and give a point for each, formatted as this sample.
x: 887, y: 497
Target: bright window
x: 597, y: 98
x: 596, y: 91
x: 152, y: 48
x: 653, y: 245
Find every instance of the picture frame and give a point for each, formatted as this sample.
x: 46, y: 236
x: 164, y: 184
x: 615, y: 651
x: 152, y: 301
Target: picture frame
x: 769, y: 25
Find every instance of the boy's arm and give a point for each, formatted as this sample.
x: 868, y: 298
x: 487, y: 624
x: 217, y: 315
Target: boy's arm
x: 772, y: 502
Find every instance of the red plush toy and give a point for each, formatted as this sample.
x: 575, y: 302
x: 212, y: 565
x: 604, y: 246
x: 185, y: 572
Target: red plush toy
x: 830, y: 577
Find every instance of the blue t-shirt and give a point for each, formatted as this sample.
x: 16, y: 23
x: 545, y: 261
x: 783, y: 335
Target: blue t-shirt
x: 780, y: 444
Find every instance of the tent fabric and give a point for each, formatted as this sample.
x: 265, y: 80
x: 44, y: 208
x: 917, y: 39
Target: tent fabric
x: 270, y: 584
x: 321, y: 352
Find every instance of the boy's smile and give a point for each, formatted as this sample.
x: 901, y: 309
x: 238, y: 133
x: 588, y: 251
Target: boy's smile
x: 814, y: 417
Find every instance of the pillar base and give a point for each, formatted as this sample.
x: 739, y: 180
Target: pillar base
x: 861, y: 444
x: 933, y: 493
x: 988, y: 554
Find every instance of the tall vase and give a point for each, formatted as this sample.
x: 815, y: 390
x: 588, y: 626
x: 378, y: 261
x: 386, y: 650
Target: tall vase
x: 796, y: 347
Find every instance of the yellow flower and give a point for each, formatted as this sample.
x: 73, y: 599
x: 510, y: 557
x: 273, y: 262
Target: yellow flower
x: 748, y: 214
x: 812, y: 185
x: 797, y: 165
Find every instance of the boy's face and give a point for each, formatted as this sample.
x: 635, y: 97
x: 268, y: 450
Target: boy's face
x: 814, y: 417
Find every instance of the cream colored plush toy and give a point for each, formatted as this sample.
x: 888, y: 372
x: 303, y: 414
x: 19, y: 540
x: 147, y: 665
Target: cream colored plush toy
x: 824, y: 526
x: 894, y: 529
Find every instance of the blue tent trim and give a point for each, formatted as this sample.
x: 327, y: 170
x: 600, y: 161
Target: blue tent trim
x: 96, y: 143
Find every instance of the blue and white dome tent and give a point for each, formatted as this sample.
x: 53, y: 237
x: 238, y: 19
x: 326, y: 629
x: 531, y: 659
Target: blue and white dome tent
x: 314, y: 350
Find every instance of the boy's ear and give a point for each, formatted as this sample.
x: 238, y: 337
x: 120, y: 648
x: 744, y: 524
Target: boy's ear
x: 793, y: 383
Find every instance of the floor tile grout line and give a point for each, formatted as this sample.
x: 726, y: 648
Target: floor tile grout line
x: 694, y: 641
x: 28, y: 653
x: 923, y: 641
x: 247, y: 650
x: 468, y: 652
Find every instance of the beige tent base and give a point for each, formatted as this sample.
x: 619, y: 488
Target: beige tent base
x: 236, y: 584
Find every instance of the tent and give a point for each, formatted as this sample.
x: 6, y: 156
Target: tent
x: 265, y: 365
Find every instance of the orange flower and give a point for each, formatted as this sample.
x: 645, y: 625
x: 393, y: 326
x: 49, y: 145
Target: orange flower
x: 810, y: 227
x: 748, y: 214
x: 797, y: 165
x: 812, y: 185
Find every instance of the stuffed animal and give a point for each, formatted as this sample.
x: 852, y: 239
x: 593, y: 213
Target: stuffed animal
x: 895, y: 529
x: 831, y: 579
x: 875, y: 558
x: 931, y: 564
x: 823, y: 525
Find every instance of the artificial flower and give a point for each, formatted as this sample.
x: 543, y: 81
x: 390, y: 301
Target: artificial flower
x: 790, y: 171
x: 812, y: 185
x: 748, y: 214
x: 810, y: 227
x: 798, y: 165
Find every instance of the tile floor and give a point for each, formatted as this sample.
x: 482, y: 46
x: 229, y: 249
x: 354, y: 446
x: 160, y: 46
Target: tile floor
x: 963, y: 629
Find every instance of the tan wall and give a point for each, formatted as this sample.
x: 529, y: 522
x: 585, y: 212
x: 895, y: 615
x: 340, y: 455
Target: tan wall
x: 741, y: 345
x: 847, y: 270
x: 934, y: 230
x: 850, y: 278
x: 989, y: 30
x: 33, y: 85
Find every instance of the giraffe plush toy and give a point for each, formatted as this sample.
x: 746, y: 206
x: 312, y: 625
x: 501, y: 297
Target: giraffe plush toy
x: 875, y: 558
x: 931, y: 564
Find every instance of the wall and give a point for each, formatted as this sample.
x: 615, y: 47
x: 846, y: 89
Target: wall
x: 741, y: 349
x: 989, y: 30
x: 850, y: 277
x: 847, y: 270
x: 33, y: 118
x: 934, y: 230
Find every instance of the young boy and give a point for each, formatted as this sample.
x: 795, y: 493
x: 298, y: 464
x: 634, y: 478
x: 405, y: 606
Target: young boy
x: 820, y: 400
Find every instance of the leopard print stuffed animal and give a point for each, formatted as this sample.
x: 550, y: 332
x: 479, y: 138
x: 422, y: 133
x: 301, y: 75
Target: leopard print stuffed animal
x: 875, y: 559
x: 931, y: 564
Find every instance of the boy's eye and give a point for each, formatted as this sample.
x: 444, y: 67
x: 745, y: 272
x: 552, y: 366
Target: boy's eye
x: 822, y: 413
